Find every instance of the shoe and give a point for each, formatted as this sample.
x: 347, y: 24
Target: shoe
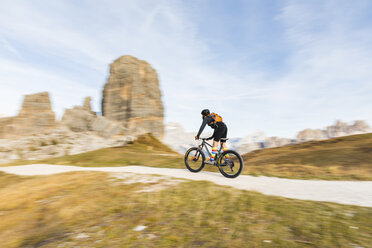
x: 209, y: 161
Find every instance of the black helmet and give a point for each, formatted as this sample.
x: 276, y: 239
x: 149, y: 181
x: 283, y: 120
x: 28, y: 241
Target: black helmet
x: 205, y: 112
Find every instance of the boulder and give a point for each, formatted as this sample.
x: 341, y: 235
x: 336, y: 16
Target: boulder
x: 132, y: 96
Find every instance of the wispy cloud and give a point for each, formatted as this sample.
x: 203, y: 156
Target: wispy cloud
x: 7, y: 46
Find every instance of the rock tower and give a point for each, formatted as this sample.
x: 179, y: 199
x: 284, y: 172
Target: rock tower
x: 36, y: 115
x: 132, y: 96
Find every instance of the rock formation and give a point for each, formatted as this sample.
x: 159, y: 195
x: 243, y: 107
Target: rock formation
x: 36, y: 115
x: 83, y: 119
x: 266, y: 142
x: 132, y: 96
x: 131, y: 105
x: 339, y: 129
x: 311, y: 134
x: 276, y: 142
x: 87, y: 105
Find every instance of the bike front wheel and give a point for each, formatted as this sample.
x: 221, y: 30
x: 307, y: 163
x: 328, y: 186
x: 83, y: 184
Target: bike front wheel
x: 194, y: 159
x: 230, y: 164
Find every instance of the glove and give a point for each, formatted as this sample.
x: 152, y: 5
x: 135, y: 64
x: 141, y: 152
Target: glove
x: 196, y: 137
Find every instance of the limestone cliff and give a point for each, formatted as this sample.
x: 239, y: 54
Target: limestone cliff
x: 132, y: 96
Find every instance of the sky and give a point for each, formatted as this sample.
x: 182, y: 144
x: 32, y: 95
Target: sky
x: 275, y: 66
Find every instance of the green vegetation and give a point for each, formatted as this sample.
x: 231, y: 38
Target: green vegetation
x: 345, y: 158
x: 51, y: 211
x: 348, y: 157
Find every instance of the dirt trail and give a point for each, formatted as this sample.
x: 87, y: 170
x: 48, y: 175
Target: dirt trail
x: 345, y: 192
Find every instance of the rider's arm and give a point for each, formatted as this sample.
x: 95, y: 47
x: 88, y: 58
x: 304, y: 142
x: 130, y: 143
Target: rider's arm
x: 206, y: 120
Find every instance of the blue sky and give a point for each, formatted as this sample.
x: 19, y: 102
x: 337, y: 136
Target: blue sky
x: 275, y: 66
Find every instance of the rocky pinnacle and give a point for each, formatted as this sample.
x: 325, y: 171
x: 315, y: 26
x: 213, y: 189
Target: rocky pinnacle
x: 132, y: 96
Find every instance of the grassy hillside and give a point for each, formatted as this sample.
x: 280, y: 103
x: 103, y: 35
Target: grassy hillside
x: 90, y: 209
x: 348, y: 157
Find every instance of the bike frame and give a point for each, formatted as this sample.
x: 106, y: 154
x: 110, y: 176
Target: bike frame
x: 205, y: 145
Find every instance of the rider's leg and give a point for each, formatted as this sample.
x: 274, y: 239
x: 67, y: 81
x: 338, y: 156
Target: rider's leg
x: 218, y: 133
x: 224, y: 146
x: 214, y: 150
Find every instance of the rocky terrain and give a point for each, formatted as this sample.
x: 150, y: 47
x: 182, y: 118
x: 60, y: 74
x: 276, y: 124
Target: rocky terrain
x: 131, y: 106
x: 54, y: 143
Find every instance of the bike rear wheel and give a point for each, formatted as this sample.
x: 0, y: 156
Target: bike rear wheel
x: 230, y: 164
x: 194, y: 159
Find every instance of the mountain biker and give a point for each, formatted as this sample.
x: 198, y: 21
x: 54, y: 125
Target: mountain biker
x: 220, y: 130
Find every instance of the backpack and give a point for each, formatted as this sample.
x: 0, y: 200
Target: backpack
x: 215, y: 117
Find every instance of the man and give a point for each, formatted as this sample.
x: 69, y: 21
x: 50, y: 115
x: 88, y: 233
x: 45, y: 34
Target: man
x: 220, y: 130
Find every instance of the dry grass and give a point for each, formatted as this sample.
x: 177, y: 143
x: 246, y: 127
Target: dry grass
x: 90, y: 209
x: 347, y: 157
x: 8, y: 179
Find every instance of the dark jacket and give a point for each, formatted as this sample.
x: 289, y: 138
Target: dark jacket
x: 210, y: 121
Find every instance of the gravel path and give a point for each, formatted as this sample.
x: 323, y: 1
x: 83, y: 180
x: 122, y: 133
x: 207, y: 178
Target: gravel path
x: 345, y: 192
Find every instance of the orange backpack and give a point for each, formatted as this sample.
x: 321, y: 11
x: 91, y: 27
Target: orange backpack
x: 215, y: 117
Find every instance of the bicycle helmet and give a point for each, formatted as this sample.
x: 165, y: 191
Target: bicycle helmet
x: 205, y: 112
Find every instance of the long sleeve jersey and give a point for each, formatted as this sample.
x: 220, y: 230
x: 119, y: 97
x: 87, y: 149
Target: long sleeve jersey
x: 206, y: 120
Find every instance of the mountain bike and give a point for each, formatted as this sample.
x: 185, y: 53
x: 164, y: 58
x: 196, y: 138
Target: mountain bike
x: 229, y: 162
